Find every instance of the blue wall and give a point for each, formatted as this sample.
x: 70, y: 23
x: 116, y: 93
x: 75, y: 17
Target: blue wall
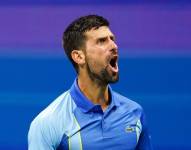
x: 161, y: 85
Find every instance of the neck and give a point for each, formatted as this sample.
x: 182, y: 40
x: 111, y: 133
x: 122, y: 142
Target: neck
x: 94, y: 91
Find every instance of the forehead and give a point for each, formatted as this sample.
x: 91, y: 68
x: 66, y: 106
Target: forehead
x: 94, y: 34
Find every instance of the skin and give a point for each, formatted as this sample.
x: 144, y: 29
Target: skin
x: 95, y: 71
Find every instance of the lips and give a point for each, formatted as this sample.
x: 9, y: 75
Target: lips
x: 113, y: 65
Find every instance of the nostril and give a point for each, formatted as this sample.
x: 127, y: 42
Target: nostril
x: 114, y: 50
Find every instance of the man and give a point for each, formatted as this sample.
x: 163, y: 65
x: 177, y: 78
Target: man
x: 90, y: 115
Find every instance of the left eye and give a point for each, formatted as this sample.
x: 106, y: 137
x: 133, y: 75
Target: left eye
x: 101, y: 40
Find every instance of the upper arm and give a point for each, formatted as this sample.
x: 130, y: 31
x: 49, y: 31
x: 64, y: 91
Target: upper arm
x: 40, y: 136
x: 144, y: 142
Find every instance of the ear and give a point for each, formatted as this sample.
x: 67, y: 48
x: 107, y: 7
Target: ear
x: 78, y: 57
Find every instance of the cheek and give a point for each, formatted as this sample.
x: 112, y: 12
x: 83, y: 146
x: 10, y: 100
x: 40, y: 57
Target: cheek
x: 96, y: 57
x: 95, y: 64
x: 96, y: 51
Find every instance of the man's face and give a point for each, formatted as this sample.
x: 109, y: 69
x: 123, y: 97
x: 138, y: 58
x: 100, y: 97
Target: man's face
x: 101, y: 54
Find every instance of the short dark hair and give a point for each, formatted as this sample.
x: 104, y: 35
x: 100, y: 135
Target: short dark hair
x: 74, y: 35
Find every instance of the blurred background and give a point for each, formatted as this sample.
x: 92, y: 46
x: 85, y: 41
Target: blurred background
x: 154, y: 39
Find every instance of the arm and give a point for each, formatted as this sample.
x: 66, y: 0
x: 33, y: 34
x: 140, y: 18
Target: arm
x: 144, y: 142
x: 40, y: 136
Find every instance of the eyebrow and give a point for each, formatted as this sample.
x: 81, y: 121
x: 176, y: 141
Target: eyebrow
x: 112, y: 37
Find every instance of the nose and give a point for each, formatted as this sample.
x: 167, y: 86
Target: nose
x: 114, y: 47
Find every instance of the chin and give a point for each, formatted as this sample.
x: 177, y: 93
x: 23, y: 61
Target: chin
x: 114, y: 79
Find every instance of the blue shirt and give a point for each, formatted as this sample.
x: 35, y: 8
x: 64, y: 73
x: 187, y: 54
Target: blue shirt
x: 72, y: 122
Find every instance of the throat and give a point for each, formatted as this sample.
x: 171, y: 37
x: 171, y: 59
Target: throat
x: 96, y: 94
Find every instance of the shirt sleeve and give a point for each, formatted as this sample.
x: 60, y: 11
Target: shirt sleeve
x: 40, y: 136
x: 144, y: 142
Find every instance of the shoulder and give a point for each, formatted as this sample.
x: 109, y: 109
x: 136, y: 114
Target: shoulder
x: 131, y: 107
x: 49, y: 123
x: 127, y: 103
x: 53, y: 110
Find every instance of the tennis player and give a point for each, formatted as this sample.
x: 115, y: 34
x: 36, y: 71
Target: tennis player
x: 90, y: 115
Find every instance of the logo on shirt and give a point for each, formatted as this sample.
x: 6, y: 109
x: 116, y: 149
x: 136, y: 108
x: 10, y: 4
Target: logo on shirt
x: 137, y: 128
x: 129, y: 129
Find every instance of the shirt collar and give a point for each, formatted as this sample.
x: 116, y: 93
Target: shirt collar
x: 84, y: 103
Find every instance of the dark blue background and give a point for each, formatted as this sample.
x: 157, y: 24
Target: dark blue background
x: 161, y: 85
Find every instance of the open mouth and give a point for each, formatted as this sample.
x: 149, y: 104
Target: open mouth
x: 113, y: 63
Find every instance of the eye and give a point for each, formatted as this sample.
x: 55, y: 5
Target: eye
x: 112, y: 38
x: 102, y: 40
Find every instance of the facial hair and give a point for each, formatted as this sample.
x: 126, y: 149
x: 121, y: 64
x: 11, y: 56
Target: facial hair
x: 103, y: 77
